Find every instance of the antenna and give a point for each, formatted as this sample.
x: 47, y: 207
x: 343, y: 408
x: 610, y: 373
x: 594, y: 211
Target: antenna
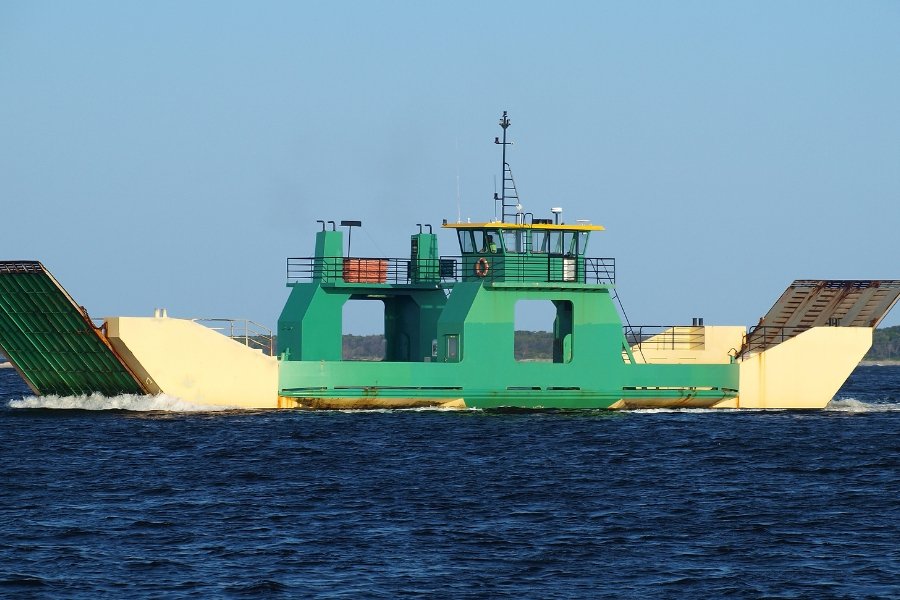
x: 507, y: 202
x: 458, y: 205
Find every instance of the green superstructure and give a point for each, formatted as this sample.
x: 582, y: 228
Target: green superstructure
x: 449, y: 327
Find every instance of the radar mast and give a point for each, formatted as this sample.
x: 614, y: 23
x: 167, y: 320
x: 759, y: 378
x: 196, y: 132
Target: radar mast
x: 508, y: 199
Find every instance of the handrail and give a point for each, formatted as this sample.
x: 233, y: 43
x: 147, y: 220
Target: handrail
x: 604, y: 269
x: 763, y: 337
x: 250, y: 333
x: 665, y: 337
x: 330, y: 269
x: 473, y: 267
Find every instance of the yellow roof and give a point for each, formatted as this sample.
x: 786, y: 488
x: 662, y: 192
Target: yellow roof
x: 501, y: 225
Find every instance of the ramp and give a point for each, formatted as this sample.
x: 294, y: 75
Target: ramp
x: 51, y: 340
x: 808, y: 303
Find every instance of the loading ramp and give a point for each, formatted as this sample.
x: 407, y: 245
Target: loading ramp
x: 808, y: 303
x: 51, y: 341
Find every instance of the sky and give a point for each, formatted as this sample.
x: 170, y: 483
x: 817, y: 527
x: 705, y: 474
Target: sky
x: 174, y: 154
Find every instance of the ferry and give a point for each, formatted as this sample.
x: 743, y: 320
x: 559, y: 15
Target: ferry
x: 449, y: 330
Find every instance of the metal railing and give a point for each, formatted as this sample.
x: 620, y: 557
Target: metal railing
x: 763, y: 337
x: 250, y: 333
x: 332, y: 269
x: 548, y: 268
x: 665, y: 337
x: 508, y: 267
x: 600, y: 270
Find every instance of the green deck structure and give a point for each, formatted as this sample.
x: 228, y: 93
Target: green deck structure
x: 51, y: 340
x: 449, y: 327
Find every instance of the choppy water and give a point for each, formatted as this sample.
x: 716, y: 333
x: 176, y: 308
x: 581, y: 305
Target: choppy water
x: 653, y: 504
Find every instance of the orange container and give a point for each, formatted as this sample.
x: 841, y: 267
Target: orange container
x: 365, y: 270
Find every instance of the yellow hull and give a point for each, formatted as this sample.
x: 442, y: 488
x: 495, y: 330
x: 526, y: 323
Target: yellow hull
x: 804, y: 372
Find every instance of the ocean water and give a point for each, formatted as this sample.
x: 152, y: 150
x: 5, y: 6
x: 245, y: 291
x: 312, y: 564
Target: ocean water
x: 168, y: 501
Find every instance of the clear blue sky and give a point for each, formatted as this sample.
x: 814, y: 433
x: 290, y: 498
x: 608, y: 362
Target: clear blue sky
x: 175, y: 153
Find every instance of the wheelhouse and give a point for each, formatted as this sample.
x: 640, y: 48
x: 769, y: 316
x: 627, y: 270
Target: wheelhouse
x: 539, y: 251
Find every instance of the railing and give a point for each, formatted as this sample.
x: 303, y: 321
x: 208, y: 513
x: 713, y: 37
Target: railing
x: 332, y: 269
x: 600, y: 270
x: 553, y: 268
x: 499, y: 267
x: 665, y: 337
x: 249, y: 333
x: 763, y: 337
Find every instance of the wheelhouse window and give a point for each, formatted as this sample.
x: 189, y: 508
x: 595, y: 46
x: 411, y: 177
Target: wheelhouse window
x: 540, y: 242
x: 491, y: 242
x: 559, y: 243
x: 570, y: 243
x: 479, y: 241
x: 466, y: 241
x: 512, y: 241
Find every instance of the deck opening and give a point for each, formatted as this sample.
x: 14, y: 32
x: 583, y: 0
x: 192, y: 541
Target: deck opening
x: 363, y: 330
x: 543, y: 331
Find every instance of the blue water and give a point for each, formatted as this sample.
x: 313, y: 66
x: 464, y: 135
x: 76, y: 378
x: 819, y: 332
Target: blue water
x: 653, y: 504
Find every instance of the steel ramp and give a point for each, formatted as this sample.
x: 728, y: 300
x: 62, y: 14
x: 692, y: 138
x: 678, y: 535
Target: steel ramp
x: 51, y: 341
x: 808, y: 303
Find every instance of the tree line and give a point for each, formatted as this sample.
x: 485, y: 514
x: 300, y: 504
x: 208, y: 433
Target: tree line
x: 886, y: 344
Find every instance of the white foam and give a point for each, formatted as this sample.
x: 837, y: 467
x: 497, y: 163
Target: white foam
x: 402, y: 409
x: 851, y: 405
x: 132, y: 402
x: 654, y: 411
x: 857, y: 406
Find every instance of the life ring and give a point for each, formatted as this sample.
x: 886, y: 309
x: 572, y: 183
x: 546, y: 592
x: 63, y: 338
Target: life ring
x: 482, y: 267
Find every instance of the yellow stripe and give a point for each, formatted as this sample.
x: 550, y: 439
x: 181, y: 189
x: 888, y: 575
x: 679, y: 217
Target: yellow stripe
x: 496, y: 225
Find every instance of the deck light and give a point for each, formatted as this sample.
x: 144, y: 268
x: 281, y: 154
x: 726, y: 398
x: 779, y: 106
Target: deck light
x: 350, y: 225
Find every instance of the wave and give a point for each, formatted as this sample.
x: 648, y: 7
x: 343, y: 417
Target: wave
x: 130, y: 402
x: 851, y: 405
x: 858, y: 406
x: 675, y: 409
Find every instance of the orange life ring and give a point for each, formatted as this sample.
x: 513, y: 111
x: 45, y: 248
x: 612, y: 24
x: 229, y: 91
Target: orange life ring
x: 482, y: 267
